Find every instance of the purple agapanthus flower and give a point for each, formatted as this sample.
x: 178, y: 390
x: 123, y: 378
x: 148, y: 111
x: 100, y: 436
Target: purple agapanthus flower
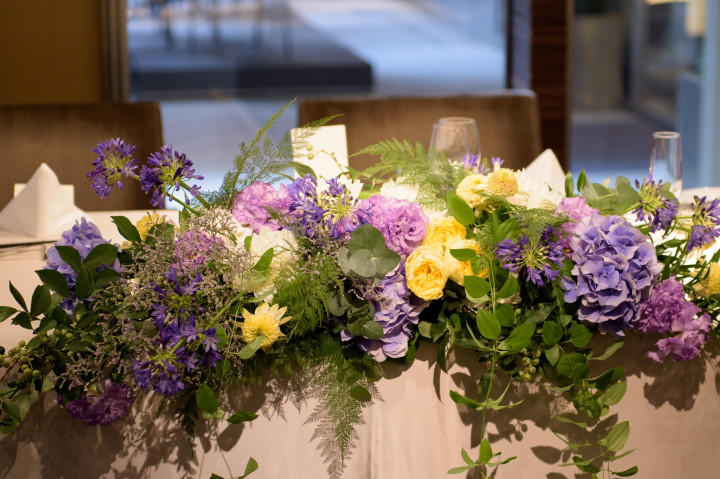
x: 256, y: 204
x: 83, y: 236
x: 653, y: 207
x: 705, y: 227
x: 114, y: 160
x: 165, y: 171
x: 102, y: 406
x: 615, y: 271
x: 667, y: 311
x: 397, y: 310
x: 332, y: 209
x: 402, y: 223
x: 537, y: 262
x: 162, y: 375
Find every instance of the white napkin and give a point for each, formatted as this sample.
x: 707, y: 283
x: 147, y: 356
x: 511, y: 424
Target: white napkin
x: 41, y: 209
x: 326, y: 139
x: 547, y: 167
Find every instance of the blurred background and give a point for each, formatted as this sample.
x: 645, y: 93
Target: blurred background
x: 607, y: 73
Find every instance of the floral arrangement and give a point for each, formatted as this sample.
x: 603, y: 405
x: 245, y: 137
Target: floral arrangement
x: 323, y: 280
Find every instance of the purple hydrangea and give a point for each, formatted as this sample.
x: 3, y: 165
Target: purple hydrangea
x: 536, y: 262
x: 397, y: 310
x: 83, y: 236
x: 654, y: 208
x: 114, y: 160
x: 167, y: 170
x: 108, y: 403
x: 402, y: 223
x: 667, y: 311
x: 705, y: 223
x: 615, y: 270
x: 255, y: 205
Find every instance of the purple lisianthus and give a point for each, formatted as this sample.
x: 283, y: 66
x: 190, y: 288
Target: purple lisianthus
x: 536, y: 262
x: 705, y: 227
x: 397, y: 310
x: 165, y: 171
x: 667, y: 311
x: 402, y: 223
x: 654, y: 208
x: 114, y: 160
x: 256, y: 204
x: 83, y: 236
x: 615, y: 271
x: 103, y: 406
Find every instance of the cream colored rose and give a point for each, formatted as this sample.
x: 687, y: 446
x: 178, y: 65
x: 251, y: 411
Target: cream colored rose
x: 444, y: 230
x: 470, y: 189
x: 459, y: 269
x: 426, y: 272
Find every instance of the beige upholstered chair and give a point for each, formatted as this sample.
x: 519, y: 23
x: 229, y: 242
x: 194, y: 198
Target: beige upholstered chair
x: 63, y: 136
x: 508, y: 121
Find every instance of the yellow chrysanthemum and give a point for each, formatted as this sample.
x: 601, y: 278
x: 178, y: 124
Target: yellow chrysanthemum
x: 470, y: 189
x: 459, y: 269
x: 146, y: 222
x: 711, y: 284
x: 266, y: 320
x: 502, y: 182
x: 443, y: 230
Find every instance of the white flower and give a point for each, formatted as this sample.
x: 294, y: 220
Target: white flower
x: 534, y: 192
x: 399, y: 190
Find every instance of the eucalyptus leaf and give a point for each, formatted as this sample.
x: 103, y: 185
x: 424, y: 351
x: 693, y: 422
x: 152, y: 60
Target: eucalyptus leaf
x: 372, y: 330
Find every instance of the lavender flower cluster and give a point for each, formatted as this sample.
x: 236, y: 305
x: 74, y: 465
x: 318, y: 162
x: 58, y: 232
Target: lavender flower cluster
x: 667, y: 311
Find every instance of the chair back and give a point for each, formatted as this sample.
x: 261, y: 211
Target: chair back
x: 63, y: 136
x: 508, y: 121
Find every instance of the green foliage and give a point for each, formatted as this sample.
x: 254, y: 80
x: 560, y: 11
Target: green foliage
x: 366, y: 256
x: 432, y: 173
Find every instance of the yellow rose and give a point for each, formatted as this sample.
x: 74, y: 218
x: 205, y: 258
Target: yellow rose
x: 444, y: 230
x: 470, y: 189
x: 426, y: 272
x: 459, y: 269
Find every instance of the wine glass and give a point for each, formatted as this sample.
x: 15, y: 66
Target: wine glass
x: 666, y: 160
x: 456, y: 137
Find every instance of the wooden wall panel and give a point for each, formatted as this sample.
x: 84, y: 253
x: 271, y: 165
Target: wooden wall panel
x: 50, y: 52
x: 538, y: 58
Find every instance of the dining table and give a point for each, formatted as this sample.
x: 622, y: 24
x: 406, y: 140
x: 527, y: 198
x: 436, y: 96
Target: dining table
x: 411, y: 429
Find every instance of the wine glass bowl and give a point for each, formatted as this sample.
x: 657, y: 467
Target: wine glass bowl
x: 456, y: 137
x: 666, y: 160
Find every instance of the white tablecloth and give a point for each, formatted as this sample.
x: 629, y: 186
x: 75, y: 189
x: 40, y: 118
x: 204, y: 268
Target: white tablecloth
x: 415, y: 431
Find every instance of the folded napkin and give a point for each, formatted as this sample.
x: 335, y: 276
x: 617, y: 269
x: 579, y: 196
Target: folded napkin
x: 41, y: 209
x: 547, y: 167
